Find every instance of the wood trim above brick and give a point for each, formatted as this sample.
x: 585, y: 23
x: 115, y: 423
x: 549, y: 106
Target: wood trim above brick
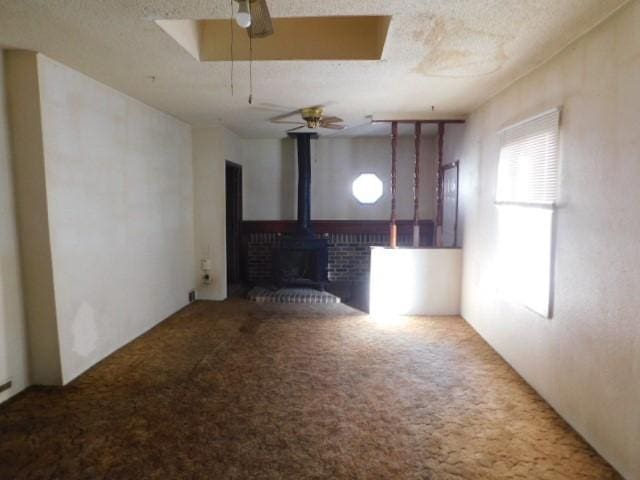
x: 333, y: 226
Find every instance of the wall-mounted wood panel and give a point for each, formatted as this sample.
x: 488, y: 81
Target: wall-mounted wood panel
x: 405, y: 227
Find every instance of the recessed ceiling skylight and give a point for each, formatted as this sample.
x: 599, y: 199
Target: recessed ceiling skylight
x: 295, y: 38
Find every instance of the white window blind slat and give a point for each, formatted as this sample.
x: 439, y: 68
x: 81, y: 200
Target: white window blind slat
x: 528, y: 164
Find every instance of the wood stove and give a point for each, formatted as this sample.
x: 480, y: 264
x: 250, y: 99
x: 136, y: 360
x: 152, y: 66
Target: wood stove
x: 302, y: 259
x: 301, y: 262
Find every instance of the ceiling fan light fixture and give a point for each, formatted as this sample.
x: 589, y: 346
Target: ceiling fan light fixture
x: 312, y: 115
x: 243, y: 16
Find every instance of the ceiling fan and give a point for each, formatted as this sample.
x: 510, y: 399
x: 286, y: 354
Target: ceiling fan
x: 313, y: 118
x: 253, y: 15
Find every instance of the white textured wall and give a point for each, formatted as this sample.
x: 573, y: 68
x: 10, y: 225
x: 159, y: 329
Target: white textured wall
x: 585, y: 361
x: 13, y: 336
x: 120, y: 200
x: 270, y: 178
x: 211, y: 147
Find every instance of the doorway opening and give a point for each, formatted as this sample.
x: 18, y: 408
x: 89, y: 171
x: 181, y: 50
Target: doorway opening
x: 233, y: 182
x: 450, y: 178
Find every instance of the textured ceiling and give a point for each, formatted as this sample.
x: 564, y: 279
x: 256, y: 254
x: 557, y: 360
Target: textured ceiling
x: 449, y: 54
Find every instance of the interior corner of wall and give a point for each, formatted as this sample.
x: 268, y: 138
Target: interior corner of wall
x: 209, y: 292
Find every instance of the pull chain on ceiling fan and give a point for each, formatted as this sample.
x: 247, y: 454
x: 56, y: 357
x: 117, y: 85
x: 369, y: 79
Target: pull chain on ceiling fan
x: 254, y: 16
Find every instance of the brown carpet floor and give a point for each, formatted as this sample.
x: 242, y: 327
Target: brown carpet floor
x: 237, y: 390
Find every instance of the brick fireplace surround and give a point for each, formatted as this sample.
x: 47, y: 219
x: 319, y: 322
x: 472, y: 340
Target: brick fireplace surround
x: 349, y: 245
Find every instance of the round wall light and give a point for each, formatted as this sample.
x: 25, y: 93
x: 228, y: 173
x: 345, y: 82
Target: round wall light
x: 367, y: 188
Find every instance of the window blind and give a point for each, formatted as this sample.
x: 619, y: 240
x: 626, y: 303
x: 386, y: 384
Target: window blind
x: 528, y: 164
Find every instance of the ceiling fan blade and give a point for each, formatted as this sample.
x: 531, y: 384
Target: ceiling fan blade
x: 285, y: 122
x: 261, y: 25
x: 332, y: 126
x: 332, y: 120
x: 352, y: 127
x: 286, y: 118
x: 297, y: 128
x: 275, y: 108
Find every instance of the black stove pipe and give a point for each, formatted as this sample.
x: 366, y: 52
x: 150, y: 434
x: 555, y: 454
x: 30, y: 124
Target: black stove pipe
x: 303, y: 141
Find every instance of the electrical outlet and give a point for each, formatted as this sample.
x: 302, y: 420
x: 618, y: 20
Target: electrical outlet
x: 5, y: 385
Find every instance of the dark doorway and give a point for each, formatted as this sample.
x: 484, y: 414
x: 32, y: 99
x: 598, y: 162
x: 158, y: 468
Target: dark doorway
x: 233, y: 181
